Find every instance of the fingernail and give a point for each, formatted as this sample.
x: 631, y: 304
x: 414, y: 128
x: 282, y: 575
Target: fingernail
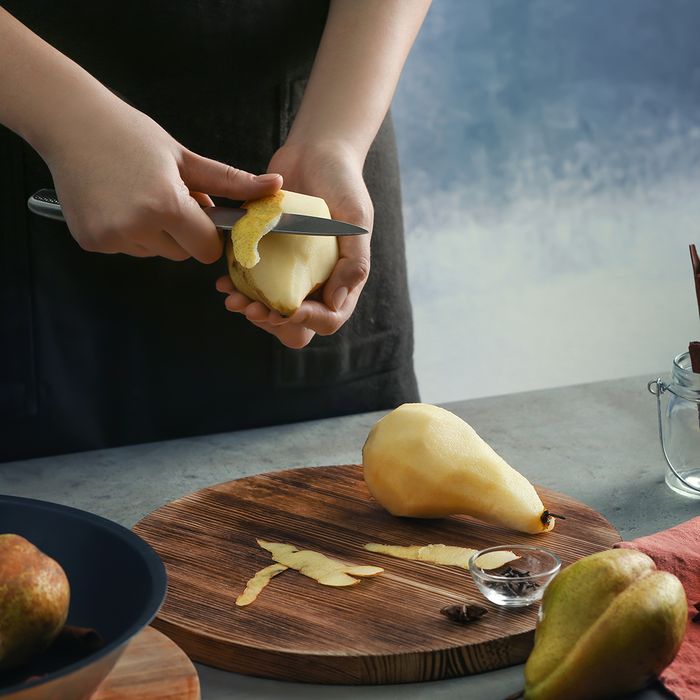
x: 339, y: 298
x: 268, y: 177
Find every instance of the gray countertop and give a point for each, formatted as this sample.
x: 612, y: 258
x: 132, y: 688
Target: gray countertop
x: 596, y: 442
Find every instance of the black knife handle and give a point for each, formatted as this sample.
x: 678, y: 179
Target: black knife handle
x: 45, y: 203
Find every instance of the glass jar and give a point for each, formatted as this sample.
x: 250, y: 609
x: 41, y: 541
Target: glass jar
x: 679, y: 426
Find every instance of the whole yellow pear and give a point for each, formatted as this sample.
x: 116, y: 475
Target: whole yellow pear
x: 34, y: 600
x: 423, y: 461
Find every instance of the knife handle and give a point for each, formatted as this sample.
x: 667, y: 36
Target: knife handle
x: 45, y: 203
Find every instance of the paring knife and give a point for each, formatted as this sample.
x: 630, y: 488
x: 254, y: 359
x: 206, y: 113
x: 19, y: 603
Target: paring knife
x: 45, y: 203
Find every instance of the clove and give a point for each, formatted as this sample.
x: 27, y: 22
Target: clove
x: 463, y: 613
x: 696, y: 617
x: 516, y: 587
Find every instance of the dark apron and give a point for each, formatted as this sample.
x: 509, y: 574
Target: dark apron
x: 104, y: 350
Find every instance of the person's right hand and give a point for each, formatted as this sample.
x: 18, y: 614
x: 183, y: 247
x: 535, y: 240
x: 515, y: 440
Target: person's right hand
x: 127, y: 186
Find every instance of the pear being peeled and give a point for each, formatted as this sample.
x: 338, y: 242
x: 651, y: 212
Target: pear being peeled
x: 279, y: 269
x: 422, y: 461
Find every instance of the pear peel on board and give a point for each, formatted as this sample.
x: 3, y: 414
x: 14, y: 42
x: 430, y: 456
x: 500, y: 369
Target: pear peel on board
x: 255, y: 585
x: 422, y: 461
x: 280, y: 270
x: 443, y: 554
x: 609, y: 623
x: 323, y: 569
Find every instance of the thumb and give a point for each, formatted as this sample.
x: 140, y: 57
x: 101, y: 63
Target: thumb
x: 351, y: 271
x: 211, y: 176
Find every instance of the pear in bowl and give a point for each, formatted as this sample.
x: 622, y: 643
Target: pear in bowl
x: 34, y: 600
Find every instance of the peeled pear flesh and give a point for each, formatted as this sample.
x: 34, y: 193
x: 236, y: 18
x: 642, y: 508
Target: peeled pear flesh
x: 422, y: 461
x: 609, y: 623
x: 280, y: 270
x: 325, y: 570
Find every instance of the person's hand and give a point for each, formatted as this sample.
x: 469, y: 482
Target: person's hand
x: 126, y: 186
x: 334, y: 172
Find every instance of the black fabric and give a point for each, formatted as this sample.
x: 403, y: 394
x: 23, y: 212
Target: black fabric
x: 103, y: 350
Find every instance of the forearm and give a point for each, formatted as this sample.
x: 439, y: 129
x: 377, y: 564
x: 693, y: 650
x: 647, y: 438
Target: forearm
x: 357, y: 67
x: 44, y: 96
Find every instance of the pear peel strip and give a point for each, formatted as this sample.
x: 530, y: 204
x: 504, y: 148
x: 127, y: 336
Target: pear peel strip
x: 317, y: 566
x: 247, y: 253
x: 446, y: 555
x: 256, y: 584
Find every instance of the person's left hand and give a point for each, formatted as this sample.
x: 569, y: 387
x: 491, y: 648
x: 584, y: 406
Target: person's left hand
x: 332, y: 171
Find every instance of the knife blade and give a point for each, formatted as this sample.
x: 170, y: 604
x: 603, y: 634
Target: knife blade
x: 45, y: 203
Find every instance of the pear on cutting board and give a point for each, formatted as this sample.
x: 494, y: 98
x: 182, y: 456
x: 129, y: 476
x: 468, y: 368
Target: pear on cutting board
x: 280, y: 270
x: 34, y: 599
x: 422, y: 461
x: 609, y: 623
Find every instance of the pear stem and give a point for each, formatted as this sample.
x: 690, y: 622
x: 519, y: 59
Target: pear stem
x: 547, y: 516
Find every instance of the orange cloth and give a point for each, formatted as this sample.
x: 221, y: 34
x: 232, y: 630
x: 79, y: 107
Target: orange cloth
x: 678, y: 551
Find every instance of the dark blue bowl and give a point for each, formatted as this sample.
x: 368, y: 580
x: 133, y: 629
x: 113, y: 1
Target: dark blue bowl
x: 117, y: 586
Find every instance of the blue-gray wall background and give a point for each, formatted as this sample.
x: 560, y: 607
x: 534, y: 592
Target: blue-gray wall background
x: 550, y: 154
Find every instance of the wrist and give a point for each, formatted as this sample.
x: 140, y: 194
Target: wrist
x: 42, y: 91
x: 75, y: 116
x: 298, y: 147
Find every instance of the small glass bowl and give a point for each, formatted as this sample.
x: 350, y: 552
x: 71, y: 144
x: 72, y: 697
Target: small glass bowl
x: 520, y: 582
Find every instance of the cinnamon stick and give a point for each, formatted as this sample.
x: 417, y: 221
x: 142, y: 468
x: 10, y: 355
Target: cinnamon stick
x: 694, y: 351
x: 695, y: 261
x: 694, y: 346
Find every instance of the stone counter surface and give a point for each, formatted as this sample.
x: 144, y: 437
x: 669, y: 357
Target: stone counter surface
x: 596, y: 442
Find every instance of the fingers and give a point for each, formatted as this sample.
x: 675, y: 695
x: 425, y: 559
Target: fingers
x: 321, y: 319
x: 204, y: 200
x: 294, y: 337
x: 206, y: 175
x: 137, y: 251
x: 195, y: 232
x: 161, y: 243
x: 271, y: 321
x: 350, y: 273
x: 225, y: 285
x: 256, y: 312
x: 275, y: 318
x: 237, y: 302
x: 313, y: 316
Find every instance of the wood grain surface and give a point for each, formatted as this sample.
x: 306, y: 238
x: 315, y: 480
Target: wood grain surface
x: 387, y: 629
x: 151, y: 668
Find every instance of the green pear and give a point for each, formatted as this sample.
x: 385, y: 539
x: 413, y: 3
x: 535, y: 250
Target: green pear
x: 608, y: 624
x: 34, y: 600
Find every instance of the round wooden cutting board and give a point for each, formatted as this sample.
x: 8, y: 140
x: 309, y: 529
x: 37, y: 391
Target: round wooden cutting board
x: 151, y: 668
x: 386, y: 629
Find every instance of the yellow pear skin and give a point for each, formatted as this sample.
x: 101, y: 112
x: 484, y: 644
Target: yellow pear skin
x: 34, y: 600
x: 423, y: 461
x: 609, y: 623
x: 280, y: 270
